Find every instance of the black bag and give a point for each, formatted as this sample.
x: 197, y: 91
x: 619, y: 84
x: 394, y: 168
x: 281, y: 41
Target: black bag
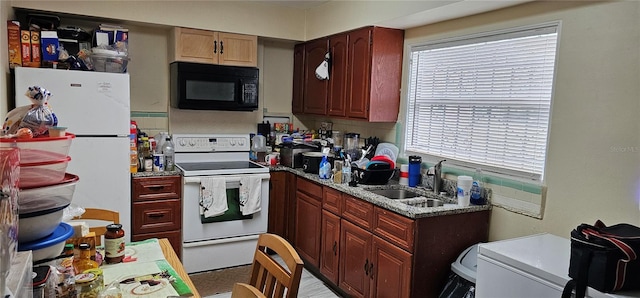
x: 604, y: 258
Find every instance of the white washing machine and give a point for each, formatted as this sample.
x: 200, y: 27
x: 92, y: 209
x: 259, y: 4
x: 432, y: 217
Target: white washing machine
x: 535, y: 266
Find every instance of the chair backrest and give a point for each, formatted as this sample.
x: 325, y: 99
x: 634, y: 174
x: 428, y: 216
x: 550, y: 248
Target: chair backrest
x: 102, y: 215
x: 242, y: 290
x: 268, y: 275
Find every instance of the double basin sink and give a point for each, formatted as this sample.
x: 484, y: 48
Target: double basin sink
x: 408, y: 197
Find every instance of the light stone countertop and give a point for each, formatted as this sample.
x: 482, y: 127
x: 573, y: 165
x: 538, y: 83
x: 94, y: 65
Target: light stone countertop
x: 361, y: 192
x: 156, y: 174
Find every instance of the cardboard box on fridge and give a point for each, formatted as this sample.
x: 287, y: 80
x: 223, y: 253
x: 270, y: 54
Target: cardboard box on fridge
x: 25, y: 46
x: 13, y: 34
x: 50, y: 45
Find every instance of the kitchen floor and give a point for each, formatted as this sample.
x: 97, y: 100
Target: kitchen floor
x: 310, y: 286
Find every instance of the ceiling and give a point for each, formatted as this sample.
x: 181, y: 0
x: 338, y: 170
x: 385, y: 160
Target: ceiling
x: 302, y: 4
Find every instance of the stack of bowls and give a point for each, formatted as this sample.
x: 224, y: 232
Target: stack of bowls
x: 45, y: 190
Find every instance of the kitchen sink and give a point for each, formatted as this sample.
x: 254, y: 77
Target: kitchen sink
x: 396, y: 194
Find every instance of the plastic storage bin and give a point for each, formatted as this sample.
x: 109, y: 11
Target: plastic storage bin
x: 50, y: 246
x: 462, y: 279
x: 48, y: 197
x: 40, y: 149
x: 43, y: 173
x: 109, y: 61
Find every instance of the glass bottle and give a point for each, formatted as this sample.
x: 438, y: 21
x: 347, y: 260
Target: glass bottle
x: 114, y: 244
x: 169, y: 154
x: 84, y: 261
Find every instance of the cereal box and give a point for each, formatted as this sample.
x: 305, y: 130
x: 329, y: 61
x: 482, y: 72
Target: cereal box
x: 13, y: 33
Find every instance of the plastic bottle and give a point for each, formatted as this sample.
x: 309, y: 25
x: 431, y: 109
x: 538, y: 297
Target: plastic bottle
x: 325, y: 167
x: 84, y: 261
x: 169, y: 154
x: 476, y: 188
x: 133, y: 146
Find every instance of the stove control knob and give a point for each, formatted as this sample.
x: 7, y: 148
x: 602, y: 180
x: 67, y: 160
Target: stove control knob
x: 232, y: 142
x: 182, y: 142
x: 192, y: 142
x: 240, y: 142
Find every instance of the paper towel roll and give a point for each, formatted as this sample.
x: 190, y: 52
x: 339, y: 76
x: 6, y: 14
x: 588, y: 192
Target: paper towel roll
x: 404, y: 174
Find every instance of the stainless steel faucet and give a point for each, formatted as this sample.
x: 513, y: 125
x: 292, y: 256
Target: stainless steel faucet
x: 437, y: 177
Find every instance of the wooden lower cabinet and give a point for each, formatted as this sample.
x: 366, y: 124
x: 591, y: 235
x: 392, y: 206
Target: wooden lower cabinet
x: 156, y: 210
x: 391, y: 270
x: 364, y: 250
x: 308, y: 228
x: 355, y: 255
x: 330, y: 250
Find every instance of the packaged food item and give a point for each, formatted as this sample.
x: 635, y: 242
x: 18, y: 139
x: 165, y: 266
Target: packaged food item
x: 114, y: 244
x: 37, y: 117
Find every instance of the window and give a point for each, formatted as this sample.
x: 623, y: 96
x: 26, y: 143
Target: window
x: 484, y: 100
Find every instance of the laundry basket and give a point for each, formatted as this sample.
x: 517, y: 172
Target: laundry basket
x: 462, y: 279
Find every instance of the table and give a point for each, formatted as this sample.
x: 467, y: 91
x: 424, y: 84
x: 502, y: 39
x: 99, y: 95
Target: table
x: 172, y: 259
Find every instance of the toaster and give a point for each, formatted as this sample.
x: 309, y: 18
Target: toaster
x: 291, y: 154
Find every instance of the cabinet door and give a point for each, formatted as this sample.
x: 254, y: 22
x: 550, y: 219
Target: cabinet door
x: 315, y: 91
x: 298, y: 79
x: 308, y: 227
x: 337, y: 97
x: 237, y: 49
x: 359, y: 70
x: 329, y: 254
x: 193, y: 45
x: 278, y: 204
x: 355, y: 259
x: 390, y: 270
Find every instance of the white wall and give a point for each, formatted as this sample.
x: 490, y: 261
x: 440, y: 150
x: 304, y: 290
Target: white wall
x: 594, y: 144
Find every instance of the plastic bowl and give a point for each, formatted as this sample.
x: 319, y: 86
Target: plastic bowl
x: 40, y: 149
x: 42, y: 173
x: 50, y: 246
x: 40, y: 224
x: 47, y: 197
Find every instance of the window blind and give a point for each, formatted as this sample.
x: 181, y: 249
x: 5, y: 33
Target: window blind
x: 484, y: 101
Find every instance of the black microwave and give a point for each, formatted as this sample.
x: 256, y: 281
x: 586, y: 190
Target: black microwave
x: 197, y: 86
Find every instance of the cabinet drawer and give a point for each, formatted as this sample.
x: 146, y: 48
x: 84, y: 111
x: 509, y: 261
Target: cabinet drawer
x: 332, y: 200
x: 154, y: 188
x: 159, y: 216
x: 310, y: 188
x: 358, y: 211
x: 395, y: 228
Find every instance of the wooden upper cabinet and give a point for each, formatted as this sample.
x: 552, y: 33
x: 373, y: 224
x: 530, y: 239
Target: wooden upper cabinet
x: 337, y: 97
x: 298, y: 79
x: 315, y: 90
x: 203, y: 46
x: 374, y: 74
x: 364, y: 79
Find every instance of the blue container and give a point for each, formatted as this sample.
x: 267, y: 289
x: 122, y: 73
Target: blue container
x: 414, y: 170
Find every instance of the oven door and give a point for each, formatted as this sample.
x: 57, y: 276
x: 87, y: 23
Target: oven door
x: 231, y: 224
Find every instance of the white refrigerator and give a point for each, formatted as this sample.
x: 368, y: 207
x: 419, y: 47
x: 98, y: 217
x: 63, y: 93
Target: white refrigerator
x: 95, y: 107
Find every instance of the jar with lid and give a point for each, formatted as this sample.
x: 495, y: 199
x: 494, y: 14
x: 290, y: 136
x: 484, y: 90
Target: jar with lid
x: 87, y: 285
x: 84, y: 261
x: 114, y: 244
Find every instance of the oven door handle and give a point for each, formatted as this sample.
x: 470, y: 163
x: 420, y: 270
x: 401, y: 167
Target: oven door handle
x: 227, y: 178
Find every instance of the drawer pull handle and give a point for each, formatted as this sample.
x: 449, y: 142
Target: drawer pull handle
x: 156, y: 188
x: 371, y: 270
x: 335, y: 248
x: 156, y: 215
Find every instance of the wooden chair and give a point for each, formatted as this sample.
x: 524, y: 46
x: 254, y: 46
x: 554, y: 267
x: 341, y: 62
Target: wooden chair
x: 242, y: 290
x: 268, y: 276
x: 99, y: 215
